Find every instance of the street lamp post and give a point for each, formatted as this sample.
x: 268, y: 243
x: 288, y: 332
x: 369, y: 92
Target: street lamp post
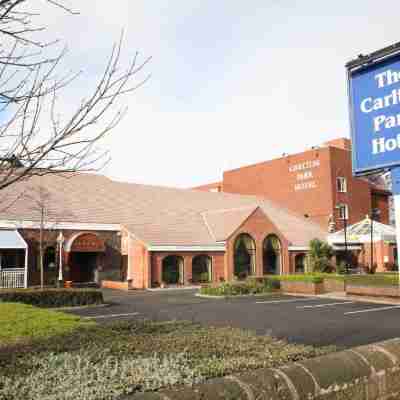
x: 60, y: 241
x: 346, y: 253
x: 374, y: 213
x: 339, y: 207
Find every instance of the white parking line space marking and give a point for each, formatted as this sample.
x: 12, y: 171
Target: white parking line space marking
x: 371, y: 310
x: 285, y: 301
x: 326, y: 305
x: 113, y: 315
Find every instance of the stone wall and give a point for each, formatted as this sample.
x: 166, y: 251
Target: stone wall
x: 365, y: 373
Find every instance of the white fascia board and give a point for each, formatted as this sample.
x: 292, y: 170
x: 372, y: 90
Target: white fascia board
x: 23, y: 240
x: 350, y: 240
x: 298, y: 248
x: 186, y: 248
x: 349, y: 247
x: 59, y: 225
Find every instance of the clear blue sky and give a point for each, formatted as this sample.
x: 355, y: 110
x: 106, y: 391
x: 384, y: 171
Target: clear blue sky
x: 233, y: 82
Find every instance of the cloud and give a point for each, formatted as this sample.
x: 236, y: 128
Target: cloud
x: 232, y: 82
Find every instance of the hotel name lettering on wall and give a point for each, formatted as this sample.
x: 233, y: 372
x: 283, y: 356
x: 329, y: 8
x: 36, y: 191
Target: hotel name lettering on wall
x: 88, y: 243
x: 304, y: 174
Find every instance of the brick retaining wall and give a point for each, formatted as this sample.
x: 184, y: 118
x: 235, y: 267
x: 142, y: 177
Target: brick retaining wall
x: 365, y: 373
x: 376, y: 291
x: 302, y: 287
x: 334, y: 285
x: 115, y: 285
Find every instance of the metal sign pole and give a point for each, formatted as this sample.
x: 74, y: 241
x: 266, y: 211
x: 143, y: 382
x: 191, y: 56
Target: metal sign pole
x: 396, y: 195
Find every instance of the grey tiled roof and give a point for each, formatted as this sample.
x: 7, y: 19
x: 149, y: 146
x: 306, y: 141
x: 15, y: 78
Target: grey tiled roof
x: 156, y: 215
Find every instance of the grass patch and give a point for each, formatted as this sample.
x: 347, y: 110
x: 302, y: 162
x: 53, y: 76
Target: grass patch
x: 19, y: 322
x: 105, y: 362
x: 308, y: 278
x: 373, y: 280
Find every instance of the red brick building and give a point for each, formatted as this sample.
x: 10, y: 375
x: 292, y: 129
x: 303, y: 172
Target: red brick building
x: 259, y: 220
x: 312, y: 183
x: 318, y: 184
x: 143, y: 236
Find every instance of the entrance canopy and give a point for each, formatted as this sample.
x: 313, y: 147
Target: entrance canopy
x: 361, y: 233
x: 13, y: 269
x: 11, y: 239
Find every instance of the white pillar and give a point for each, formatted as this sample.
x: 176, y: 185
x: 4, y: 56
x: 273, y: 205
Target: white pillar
x: 26, y: 268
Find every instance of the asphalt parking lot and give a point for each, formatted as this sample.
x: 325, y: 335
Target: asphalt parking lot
x: 307, y: 320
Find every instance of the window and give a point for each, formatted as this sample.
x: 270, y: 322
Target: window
x: 244, y: 256
x: 341, y: 184
x: 343, y: 211
x: 376, y: 214
x: 12, y: 259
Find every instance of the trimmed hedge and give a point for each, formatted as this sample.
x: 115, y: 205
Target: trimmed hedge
x: 239, y: 288
x: 298, y: 278
x: 265, y: 284
x: 52, y: 298
x: 275, y: 279
x: 374, y: 280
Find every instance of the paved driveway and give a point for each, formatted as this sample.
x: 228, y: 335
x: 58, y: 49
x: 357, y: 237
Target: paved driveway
x: 307, y: 320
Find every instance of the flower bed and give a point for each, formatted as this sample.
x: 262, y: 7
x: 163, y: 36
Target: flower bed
x: 52, y: 298
x: 304, y: 283
x: 249, y: 287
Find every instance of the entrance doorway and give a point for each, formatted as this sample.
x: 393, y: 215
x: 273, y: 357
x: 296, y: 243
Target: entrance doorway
x: 83, y: 267
x: 272, y: 258
x: 201, y: 269
x: 85, y: 250
x: 172, y: 270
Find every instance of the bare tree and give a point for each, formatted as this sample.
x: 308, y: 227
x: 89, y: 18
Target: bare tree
x: 41, y: 204
x: 30, y: 86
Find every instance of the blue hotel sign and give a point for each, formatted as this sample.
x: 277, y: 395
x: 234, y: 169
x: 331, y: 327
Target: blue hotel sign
x: 374, y: 91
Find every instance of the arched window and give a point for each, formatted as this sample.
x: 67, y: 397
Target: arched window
x: 300, y: 263
x: 272, y: 255
x: 50, y: 258
x: 201, y: 269
x: 172, y: 270
x: 244, y: 256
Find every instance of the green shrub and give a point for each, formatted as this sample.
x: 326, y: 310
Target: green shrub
x: 320, y: 256
x: 341, y: 268
x: 310, y: 278
x: 250, y: 286
x: 50, y: 298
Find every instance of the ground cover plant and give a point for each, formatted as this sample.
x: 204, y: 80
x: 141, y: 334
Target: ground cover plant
x: 50, y: 298
x: 105, y: 362
x: 21, y: 322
